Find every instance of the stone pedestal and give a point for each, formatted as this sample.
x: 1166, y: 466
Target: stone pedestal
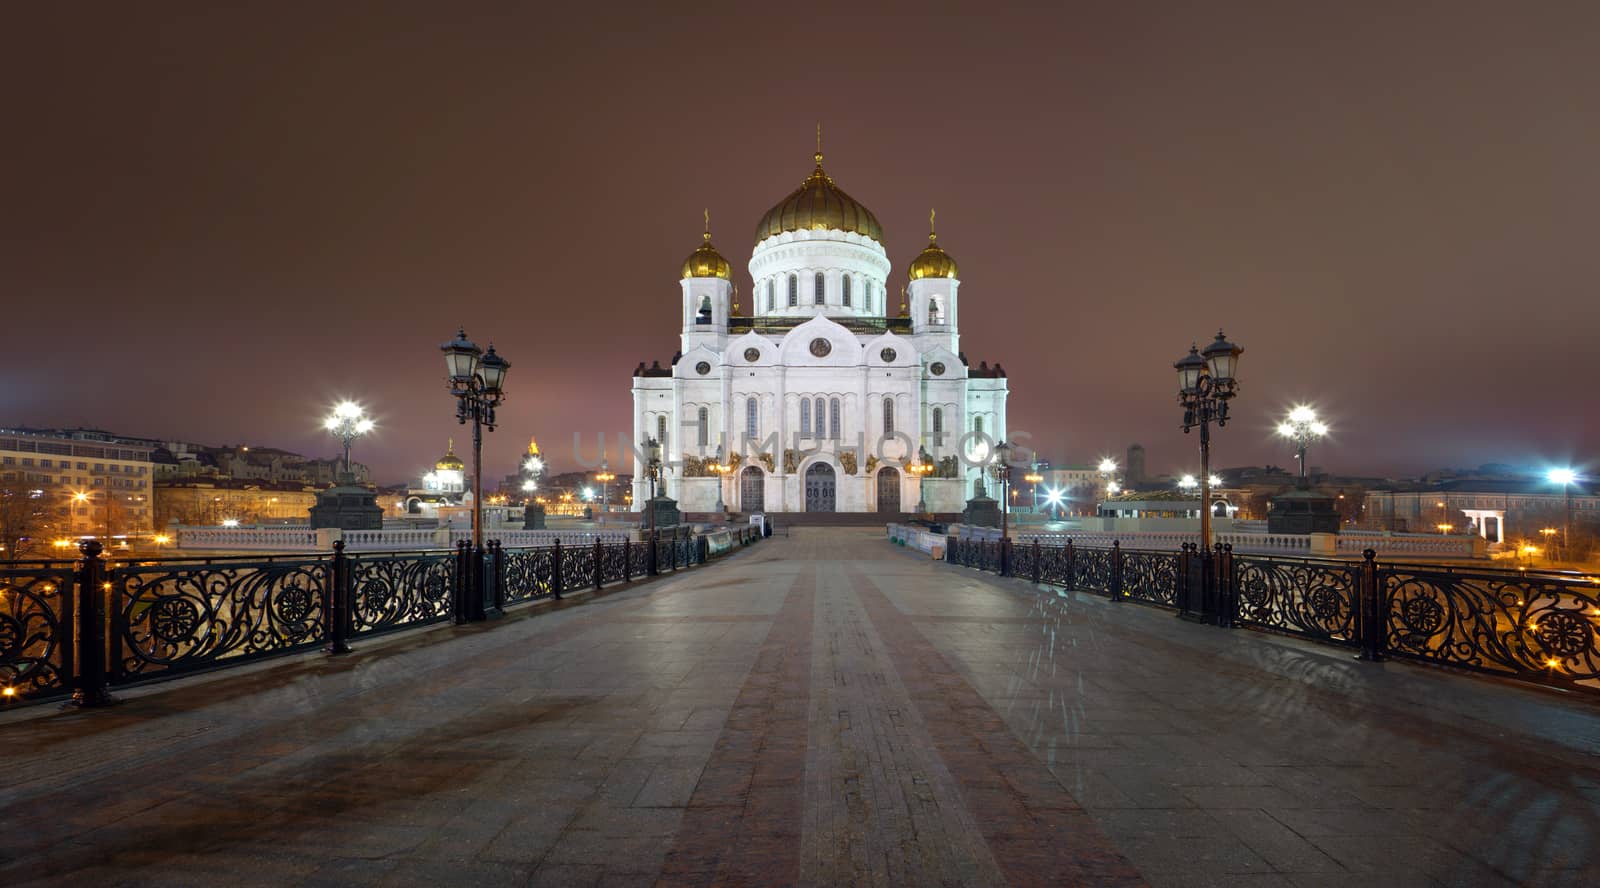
x: 1302, y: 511
x: 347, y: 506
x: 982, y: 511
x: 533, y: 517
x: 665, y: 510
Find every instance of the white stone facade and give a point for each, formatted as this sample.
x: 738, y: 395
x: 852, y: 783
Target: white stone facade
x: 817, y: 337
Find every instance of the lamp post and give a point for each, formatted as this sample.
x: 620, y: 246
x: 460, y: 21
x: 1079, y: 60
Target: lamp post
x: 1206, y: 384
x: 477, y: 381
x: 1033, y: 477
x: 347, y: 422
x: 719, y: 468
x: 1564, y: 477
x: 922, y: 468
x: 1002, y: 471
x: 605, y: 477
x: 1302, y: 427
x: 653, y: 472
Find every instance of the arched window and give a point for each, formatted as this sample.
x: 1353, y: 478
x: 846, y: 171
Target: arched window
x: 833, y: 417
x: 888, y: 417
x: 938, y: 426
x: 822, y: 425
x: 702, y: 418
x: 977, y: 424
x: 772, y: 295
x: 805, y: 417
x: 661, y: 431
x: 794, y: 290
x: 751, y: 413
x: 933, y: 312
x: 847, y: 289
x: 816, y: 289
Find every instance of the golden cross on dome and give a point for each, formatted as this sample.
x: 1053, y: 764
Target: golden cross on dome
x: 708, y: 224
x: 819, y: 143
x: 932, y: 233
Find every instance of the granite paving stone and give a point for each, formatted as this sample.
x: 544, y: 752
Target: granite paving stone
x: 820, y: 709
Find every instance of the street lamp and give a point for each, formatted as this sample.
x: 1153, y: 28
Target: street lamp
x: 1002, y: 471
x: 922, y: 467
x: 1033, y: 477
x: 347, y: 422
x: 1564, y: 477
x: 1054, y: 497
x: 718, y: 468
x: 477, y: 381
x: 653, y: 472
x: 604, y: 477
x: 1302, y: 427
x: 1206, y: 383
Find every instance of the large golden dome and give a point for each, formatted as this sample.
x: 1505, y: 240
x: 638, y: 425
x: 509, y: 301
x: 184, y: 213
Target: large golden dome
x: 933, y: 261
x: 450, y: 462
x: 818, y: 204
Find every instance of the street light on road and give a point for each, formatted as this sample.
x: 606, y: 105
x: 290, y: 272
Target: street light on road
x: 477, y: 381
x: 347, y: 422
x: 1302, y: 427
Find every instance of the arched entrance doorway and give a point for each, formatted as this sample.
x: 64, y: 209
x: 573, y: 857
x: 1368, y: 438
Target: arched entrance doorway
x: 819, y: 488
x: 889, y: 490
x: 752, y: 490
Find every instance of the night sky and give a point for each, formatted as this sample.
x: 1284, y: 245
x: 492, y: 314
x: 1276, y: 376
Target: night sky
x: 216, y: 220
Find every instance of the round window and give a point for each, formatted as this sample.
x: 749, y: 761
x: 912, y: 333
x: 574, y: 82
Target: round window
x: 888, y: 355
x: 752, y: 355
x: 702, y: 368
x: 821, y: 347
x: 936, y: 368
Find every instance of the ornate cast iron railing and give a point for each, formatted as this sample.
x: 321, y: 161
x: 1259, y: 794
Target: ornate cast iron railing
x: 151, y: 619
x: 1150, y: 577
x: 171, y: 618
x: 1526, y: 626
x: 1314, y: 599
x: 36, y: 634
x: 1507, y: 623
x: 390, y: 592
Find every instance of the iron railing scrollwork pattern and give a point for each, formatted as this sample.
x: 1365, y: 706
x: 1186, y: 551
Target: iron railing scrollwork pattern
x: 390, y: 592
x: 182, y: 617
x: 1513, y: 623
x: 530, y: 574
x: 1150, y: 577
x: 1312, y: 599
x: 1508, y: 623
x: 36, y: 632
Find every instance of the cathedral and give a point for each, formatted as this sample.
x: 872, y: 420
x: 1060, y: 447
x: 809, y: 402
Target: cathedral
x: 830, y: 386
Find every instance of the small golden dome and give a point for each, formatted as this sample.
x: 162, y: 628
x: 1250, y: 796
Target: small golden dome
x: 706, y: 262
x: 933, y: 261
x: 818, y: 204
x: 450, y: 462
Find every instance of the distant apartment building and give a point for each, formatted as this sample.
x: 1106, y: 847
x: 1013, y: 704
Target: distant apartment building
x: 97, y: 485
x: 1496, y: 509
x: 212, y: 501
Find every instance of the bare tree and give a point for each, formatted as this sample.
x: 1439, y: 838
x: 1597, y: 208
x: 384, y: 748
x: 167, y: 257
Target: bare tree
x: 26, y: 517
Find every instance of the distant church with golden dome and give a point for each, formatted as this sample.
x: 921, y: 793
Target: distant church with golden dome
x: 820, y: 392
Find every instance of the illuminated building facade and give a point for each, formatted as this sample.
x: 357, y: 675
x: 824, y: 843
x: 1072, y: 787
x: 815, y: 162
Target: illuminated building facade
x: 831, y: 381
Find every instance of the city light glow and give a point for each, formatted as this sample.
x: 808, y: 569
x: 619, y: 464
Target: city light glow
x: 1054, y: 496
x: 1214, y: 480
x: 1561, y: 476
x: 1188, y: 482
x: 230, y: 522
x: 1108, y: 464
x: 533, y: 464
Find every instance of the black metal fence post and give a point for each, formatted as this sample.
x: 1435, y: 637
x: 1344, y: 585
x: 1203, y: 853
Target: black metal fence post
x: 461, y: 589
x: 1072, y: 565
x: 336, y: 601
x: 599, y: 574
x: 1115, y: 592
x: 1185, y: 581
x: 93, y: 610
x: 1005, y: 556
x: 627, y: 560
x: 557, y: 575
x: 1374, y: 634
x: 1227, y: 587
x: 1036, y: 573
x: 497, y: 564
x: 651, y: 568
